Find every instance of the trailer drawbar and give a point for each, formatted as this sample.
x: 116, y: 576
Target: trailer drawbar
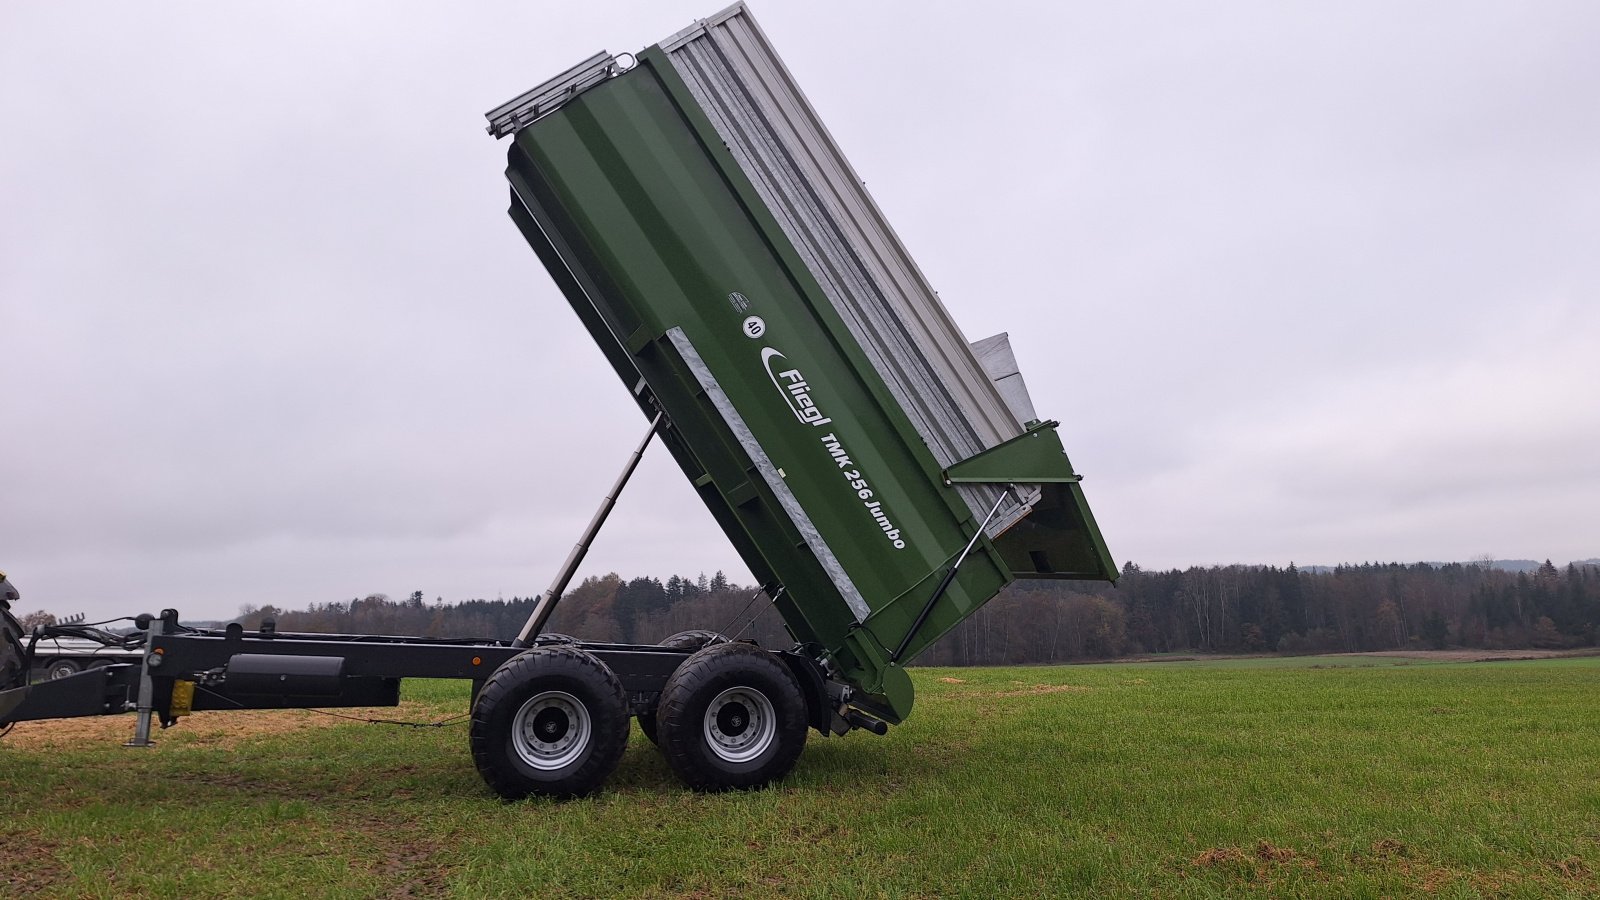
x: 880, y: 476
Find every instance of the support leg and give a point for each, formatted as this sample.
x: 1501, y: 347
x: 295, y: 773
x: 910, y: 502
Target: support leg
x: 147, y: 689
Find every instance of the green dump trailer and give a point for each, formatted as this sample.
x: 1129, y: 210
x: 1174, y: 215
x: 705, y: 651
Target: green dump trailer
x: 881, y: 476
x: 711, y: 237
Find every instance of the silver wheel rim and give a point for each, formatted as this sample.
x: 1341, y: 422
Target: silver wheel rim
x: 551, y: 730
x: 740, y: 724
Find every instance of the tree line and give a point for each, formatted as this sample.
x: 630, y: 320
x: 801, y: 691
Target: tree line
x: 1216, y: 609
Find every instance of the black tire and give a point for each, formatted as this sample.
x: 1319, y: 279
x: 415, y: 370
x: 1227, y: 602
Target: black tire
x: 554, y: 637
x: 61, y: 668
x: 732, y: 718
x: 13, y: 672
x: 561, y: 694
x: 683, y: 640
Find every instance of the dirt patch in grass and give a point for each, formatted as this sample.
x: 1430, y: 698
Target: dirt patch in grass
x: 1572, y: 867
x: 1396, y: 856
x: 410, y: 864
x: 223, y: 728
x: 28, y: 864
x: 1041, y: 689
x: 1268, y: 853
x: 1264, y: 851
x: 1021, y: 689
x: 1263, y: 866
x: 1217, y: 856
x: 1389, y: 848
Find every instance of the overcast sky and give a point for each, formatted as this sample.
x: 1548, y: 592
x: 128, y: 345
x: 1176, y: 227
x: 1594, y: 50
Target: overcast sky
x: 1304, y: 282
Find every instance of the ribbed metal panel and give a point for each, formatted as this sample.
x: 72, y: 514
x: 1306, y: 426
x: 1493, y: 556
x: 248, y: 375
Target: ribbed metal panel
x: 994, y: 354
x: 517, y: 113
x: 866, y: 273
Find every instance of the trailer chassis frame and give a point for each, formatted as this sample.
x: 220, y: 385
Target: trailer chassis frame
x: 188, y: 670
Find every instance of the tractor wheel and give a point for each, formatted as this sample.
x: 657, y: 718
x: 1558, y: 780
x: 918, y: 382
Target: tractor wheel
x: 683, y: 640
x: 732, y: 717
x: 61, y: 668
x: 13, y: 671
x: 551, y: 722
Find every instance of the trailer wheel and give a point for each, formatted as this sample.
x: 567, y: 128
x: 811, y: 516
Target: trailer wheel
x: 551, y: 722
x: 683, y: 640
x: 61, y: 668
x: 732, y: 717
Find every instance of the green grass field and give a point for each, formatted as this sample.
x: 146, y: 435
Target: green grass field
x: 1311, y: 777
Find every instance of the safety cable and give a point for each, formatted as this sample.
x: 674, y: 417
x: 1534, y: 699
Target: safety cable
x: 85, y: 632
x: 751, y: 602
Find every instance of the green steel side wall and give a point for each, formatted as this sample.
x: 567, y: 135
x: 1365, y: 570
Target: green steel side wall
x: 647, y: 224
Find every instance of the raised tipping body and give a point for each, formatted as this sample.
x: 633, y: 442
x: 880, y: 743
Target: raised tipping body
x: 726, y: 259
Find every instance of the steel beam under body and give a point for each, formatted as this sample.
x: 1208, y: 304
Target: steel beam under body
x: 372, y: 668
x: 641, y: 667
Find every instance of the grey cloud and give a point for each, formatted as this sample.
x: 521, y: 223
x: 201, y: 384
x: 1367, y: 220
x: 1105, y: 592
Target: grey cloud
x: 1305, y: 283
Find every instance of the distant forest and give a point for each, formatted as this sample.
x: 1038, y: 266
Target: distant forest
x: 1221, y: 609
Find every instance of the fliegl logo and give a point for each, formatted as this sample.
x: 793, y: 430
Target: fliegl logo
x: 792, y: 385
